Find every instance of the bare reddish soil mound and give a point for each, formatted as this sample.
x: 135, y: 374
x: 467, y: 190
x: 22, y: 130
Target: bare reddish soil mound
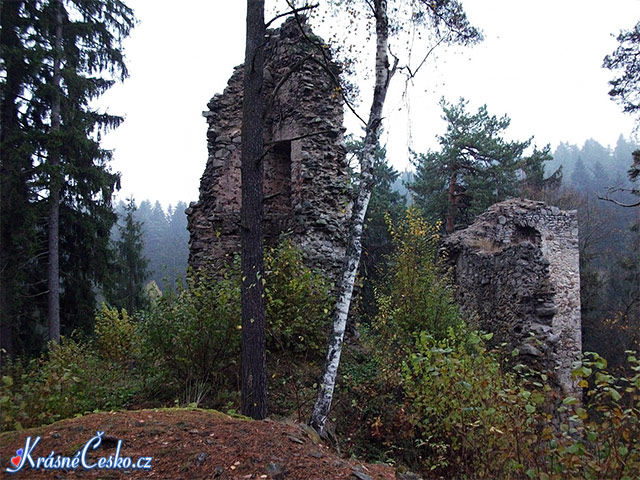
x: 184, y: 444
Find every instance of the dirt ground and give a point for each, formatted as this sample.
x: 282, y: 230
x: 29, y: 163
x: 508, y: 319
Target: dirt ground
x: 185, y: 444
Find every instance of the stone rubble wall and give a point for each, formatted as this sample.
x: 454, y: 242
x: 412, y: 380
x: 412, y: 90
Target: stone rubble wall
x: 306, y: 179
x: 517, y: 273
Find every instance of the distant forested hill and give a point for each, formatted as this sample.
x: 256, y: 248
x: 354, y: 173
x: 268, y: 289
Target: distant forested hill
x: 166, y: 240
x: 593, y: 167
x: 609, y: 242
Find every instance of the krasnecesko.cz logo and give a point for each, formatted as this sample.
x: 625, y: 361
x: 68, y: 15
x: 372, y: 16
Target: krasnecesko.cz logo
x: 26, y: 457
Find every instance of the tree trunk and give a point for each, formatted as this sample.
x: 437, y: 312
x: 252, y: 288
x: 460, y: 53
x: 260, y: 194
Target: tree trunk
x: 354, y: 248
x: 55, y: 181
x: 9, y: 168
x: 453, y: 202
x: 254, y: 375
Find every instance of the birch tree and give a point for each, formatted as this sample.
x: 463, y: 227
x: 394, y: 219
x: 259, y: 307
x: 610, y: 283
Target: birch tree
x: 450, y: 25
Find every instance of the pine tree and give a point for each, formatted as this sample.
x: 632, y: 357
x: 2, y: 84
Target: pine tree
x: 625, y: 61
x: 474, y: 168
x: 254, y: 368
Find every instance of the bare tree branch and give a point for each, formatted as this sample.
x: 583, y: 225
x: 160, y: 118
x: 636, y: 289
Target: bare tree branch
x: 612, y: 190
x: 373, y: 10
x: 412, y: 74
x: 326, y: 64
x: 294, y: 11
x: 607, y: 198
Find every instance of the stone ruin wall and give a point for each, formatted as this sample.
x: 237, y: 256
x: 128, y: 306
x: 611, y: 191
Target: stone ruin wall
x: 516, y: 267
x: 517, y: 273
x: 305, y: 168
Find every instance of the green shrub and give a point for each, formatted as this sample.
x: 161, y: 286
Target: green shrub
x: 298, y: 307
x: 116, y: 335
x: 472, y: 419
x: 191, y: 339
x: 601, y: 436
x: 370, y: 408
x: 298, y: 304
x: 459, y: 411
x: 16, y: 399
x: 418, y: 295
x: 69, y: 379
x: 185, y: 347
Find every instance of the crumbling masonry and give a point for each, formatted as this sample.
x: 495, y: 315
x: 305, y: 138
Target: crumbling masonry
x: 517, y: 272
x: 516, y: 267
x: 305, y: 179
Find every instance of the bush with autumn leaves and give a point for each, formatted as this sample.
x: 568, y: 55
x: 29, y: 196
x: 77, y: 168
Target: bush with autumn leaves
x: 182, y: 350
x: 421, y: 389
x: 424, y: 391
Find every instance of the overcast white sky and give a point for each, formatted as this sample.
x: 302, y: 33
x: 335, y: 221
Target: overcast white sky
x: 540, y: 64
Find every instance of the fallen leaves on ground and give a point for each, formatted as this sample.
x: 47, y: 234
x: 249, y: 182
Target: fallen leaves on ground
x: 189, y: 444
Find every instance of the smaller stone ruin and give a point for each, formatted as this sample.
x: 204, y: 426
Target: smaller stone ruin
x: 306, y: 193
x: 517, y: 273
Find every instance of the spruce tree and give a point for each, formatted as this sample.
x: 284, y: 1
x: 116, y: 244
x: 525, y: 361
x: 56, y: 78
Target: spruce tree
x: 17, y: 242
x: 126, y: 288
x: 62, y: 56
x: 621, y: 155
x: 580, y: 178
x: 178, y: 241
x: 85, y: 38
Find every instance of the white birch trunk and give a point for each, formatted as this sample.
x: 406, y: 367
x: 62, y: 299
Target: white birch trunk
x: 354, y: 247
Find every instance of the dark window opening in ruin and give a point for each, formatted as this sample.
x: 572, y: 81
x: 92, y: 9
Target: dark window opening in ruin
x: 277, y: 179
x: 524, y: 233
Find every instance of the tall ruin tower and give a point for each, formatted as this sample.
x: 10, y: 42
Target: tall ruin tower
x: 305, y: 167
